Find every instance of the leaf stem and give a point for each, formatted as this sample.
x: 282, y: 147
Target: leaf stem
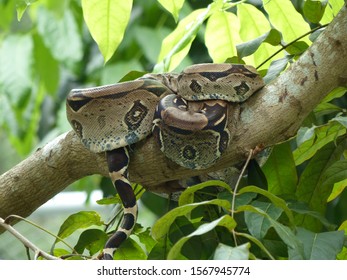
x: 291, y: 43
x: 236, y: 187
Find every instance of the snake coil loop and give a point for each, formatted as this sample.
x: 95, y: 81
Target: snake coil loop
x: 188, y: 114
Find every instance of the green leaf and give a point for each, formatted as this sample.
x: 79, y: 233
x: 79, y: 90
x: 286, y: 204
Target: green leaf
x: 279, y: 202
x: 151, y: 48
x: 16, y: 73
x: 130, y: 250
x: 318, y: 246
x: 43, y: 61
x: 337, y: 189
x: 343, y: 226
x: 343, y: 254
x: 114, y: 73
x: 177, y: 44
x: 317, y: 180
x: 60, y: 35
x: 22, y: 6
x: 302, y: 208
x: 7, y: 15
x: 297, y: 48
x: 322, y: 136
x: 107, y: 21
x: 323, y: 109
x: 280, y: 170
x: 58, y: 252
x: 331, y: 10
x: 314, y: 10
x: 276, y: 67
x: 224, y: 252
x: 224, y: 221
x: 335, y: 93
x: 172, y: 6
x: 187, y: 196
x: 222, y: 35
x: 340, y: 119
x: 159, y: 251
x: 286, y: 19
x: 146, y: 238
x: 109, y: 200
x: 258, y: 225
x: 91, y: 239
x: 248, y: 48
x: 283, y: 232
x: 77, y: 221
x: 257, y: 242
x: 253, y: 24
x: 305, y: 134
x: 162, y: 226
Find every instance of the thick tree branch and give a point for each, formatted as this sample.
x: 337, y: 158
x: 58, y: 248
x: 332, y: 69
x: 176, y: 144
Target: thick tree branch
x: 273, y: 115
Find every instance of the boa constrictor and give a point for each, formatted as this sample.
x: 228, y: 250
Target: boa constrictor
x: 187, y: 112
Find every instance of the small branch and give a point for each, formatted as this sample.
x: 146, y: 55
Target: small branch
x: 37, y: 251
x: 13, y: 217
x: 236, y: 187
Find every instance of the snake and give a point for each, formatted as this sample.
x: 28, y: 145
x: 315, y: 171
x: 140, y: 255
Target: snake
x: 187, y: 113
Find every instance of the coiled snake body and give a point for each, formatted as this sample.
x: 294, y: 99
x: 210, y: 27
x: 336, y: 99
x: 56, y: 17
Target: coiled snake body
x: 187, y: 114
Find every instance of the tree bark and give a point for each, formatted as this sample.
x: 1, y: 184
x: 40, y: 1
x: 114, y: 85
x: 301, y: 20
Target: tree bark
x: 271, y: 116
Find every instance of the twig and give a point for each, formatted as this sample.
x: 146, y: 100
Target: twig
x: 291, y: 43
x: 236, y: 187
x: 12, y: 217
x: 38, y: 252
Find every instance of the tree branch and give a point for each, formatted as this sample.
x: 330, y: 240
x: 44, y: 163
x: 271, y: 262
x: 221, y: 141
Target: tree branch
x: 38, y: 252
x: 271, y: 116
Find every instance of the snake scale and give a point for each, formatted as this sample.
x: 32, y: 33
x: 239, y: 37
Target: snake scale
x: 186, y: 112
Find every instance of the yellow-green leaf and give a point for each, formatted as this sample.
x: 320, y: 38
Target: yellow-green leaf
x: 107, y: 20
x: 331, y: 11
x: 82, y: 219
x: 22, y: 6
x: 286, y: 19
x: 337, y: 189
x: 177, y: 44
x: 253, y: 22
x: 222, y: 35
x: 343, y: 226
x: 172, y: 6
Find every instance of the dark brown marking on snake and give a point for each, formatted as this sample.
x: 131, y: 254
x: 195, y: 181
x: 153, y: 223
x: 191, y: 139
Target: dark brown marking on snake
x: 189, y: 152
x: 76, y: 102
x: 78, y: 128
x: 134, y: 117
x: 154, y: 87
x: 101, y: 121
x: 241, y: 69
x: 235, y: 69
x: 242, y: 88
x: 195, y: 86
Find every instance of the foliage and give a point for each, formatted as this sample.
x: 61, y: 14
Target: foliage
x: 297, y: 212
